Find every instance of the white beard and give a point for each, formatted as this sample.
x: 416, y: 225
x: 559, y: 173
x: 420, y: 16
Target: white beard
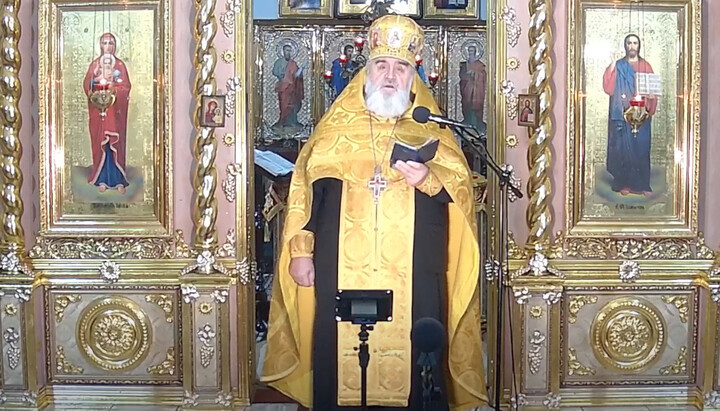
x: 381, y: 105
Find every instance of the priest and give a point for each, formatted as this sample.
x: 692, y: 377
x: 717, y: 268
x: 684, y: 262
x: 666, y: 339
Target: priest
x: 356, y: 221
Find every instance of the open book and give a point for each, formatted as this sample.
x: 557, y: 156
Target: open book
x: 273, y: 163
x: 406, y: 152
x: 648, y: 84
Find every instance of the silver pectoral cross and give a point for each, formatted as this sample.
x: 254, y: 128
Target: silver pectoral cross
x: 378, y: 184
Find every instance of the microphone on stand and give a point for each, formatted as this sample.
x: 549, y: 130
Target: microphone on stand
x: 422, y: 115
x: 428, y: 335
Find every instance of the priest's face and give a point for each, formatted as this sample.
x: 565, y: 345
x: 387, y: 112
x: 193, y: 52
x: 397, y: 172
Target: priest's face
x: 387, y: 88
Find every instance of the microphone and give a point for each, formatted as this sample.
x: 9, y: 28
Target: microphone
x: 428, y: 335
x: 422, y: 115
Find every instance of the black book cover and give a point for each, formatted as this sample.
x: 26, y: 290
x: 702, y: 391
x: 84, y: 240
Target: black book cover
x: 406, y: 152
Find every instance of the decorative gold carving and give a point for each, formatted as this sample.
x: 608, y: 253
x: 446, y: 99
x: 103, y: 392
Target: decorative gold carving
x: 205, y: 176
x: 515, y: 252
x: 167, y: 367
x: 114, y: 333
x: 535, y: 355
x: 223, y: 399
x: 629, y: 271
x: 680, y: 302
x: 233, y: 86
x: 102, y: 248
x: 715, y: 270
x: 228, y: 56
x: 511, y: 100
x: 12, y: 338
x: 205, y: 263
x: 205, y: 308
x: 227, y: 19
x: 576, y: 303
x: 206, y: 334
x: 11, y: 176
x: 712, y: 399
x: 512, y: 26
x: 552, y: 401
x: 511, y: 140
x: 165, y: 302
x: 229, y: 185
x: 23, y: 295
x: 575, y: 367
x: 229, y: 139
x: 182, y: 249
x: 557, y: 246
x: 10, y: 262
x: 64, y: 366
x: 536, y: 311
x: 539, y: 266
x: 522, y: 295
x: 628, y: 334
x: 11, y: 309
x: 190, y: 294
x: 227, y: 250
x: 246, y: 270
x: 220, y: 296
x: 29, y: 398
x: 679, y: 366
x: 110, y: 271
x: 190, y: 399
x: 513, y: 63
x: 634, y: 249
x: 702, y: 251
x: 62, y: 302
x: 539, y: 188
x: 552, y: 296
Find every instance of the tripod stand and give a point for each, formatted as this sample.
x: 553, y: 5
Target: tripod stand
x: 364, y: 357
x: 504, y: 175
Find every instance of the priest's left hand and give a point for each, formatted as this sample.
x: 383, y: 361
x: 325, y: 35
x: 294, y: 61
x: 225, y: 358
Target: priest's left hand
x: 414, y: 173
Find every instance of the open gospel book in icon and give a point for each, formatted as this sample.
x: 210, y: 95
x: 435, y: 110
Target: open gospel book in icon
x: 405, y: 152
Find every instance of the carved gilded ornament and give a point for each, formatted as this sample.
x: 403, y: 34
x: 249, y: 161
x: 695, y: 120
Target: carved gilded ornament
x: 233, y: 87
x: 109, y: 271
x: 190, y: 399
x: 629, y: 271
x: 715, y: 293
x: 23, y: 295
x: 3, y: 397
x: 518, y: 400
x: 246, y: 270
x: 535, y: 354
x: 552, y: 401
x: 628, y: 334
x: 62, y: 302
x: 228, y: 56
x: 679, y: 366
x: 511, y: 140
x: 205, y: 308
x: 712, y: 399
x: 539, y: 266
x: 229, y: 139
x: 230, y: 183
x: 11, y: 263
x: 514, y: 250
x: 492, y: 270
x: 206, y: 335
x: 715, y: 270
x: 552, y: 296
x: 513, y: 63
x: 536, y: 311
x: 227, y: 250
x: 189, y: 293
x: 575, y: 367
x: 165, y: 302
x: 514, y: 181
x: 223, y: 399
x: 12, y: 339
x: 227, y: 19
x: 63, y: 365
x: 219, y: 296
x: 522, y: 295
x: 577, y: 302
x: 507, y: 88
x: 681, y: 303
x: 11, y: 309
x: 182, y: 249
x: 205, y: 263
x: 104, y: 248
x: 114, y: 333
x: 513, y: 28
x: 167, y: 367
x: 636, y: 249
x: 30, y: 398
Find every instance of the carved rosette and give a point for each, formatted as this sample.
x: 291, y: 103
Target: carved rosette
x: 629, y: 271
x: 575, y: 367
x: 576, y: 303
x: 539, y: 265
x: 628, y: 334
x: 110, y: 271
x: 205, y: 263
x: 114, y: 333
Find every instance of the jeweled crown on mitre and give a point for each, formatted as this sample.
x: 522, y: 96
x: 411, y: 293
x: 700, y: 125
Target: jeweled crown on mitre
x: 396, y: 36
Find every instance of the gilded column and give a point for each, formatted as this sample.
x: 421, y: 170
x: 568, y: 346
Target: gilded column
x: 206, y: 145
x: 11, y: 175
x: 539, y: 186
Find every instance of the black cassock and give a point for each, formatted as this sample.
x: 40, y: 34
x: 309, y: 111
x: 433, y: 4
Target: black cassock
x: 429, y: 290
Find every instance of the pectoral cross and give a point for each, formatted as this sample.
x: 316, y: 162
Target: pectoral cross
x: 378, y: 184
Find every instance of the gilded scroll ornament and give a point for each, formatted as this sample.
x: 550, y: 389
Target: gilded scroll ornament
x: 10, y: 173
x: 12, y: 338
x: 62, y: 302
x: 219, y: 296
x: 577, y: 302
x: 552, y: 296
x: 536, y: 311
x: 165, y: 302
x: 205, y: 263
x: 206, y: 335
x: 182, y: 249
x: 63, y: 365
x: 246, y: 270
x: 227, y: 250
x: 223, y: 399
x: 575, y: 367
x: 30, y: 398
x: 539, y: 266
x: 552, y: 401
x: 634, y: 249
x: 205, y: 177
x: 189, y: 293
x: 535, y: 355
x: 109, y: 271
x: 514, y: 250
x: 190, y: 399
x: 628, y: 334
x: 230, y: 183
x: 681, y: 303
x: 509, y: 16
x: 522, y: 295
x: 629, y: 271
x: 539, y: 188
x: 233, y: 87
x: 167, y: 367
x: 205, y: 308
x: 102, y: 248
x: 11, y: 263
x: 679, y: 366
x: 11, y: 309
x: 702, y: 251
x: 114, y: 333
x: 511, y: 101
x: 227, y: 19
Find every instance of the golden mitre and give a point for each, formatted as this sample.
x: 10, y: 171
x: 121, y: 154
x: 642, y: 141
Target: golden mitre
x: 396, y: 36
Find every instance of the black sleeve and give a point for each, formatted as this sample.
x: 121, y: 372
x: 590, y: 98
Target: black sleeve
x: 442, y: 197
x: 318, y: 192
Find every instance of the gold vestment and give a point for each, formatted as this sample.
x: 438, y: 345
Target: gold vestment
x: 341, y: 148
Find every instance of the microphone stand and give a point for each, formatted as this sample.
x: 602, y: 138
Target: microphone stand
x: 503, y: 174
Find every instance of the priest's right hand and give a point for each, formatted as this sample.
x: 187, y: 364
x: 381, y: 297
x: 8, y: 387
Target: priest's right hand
x: 302, y: 270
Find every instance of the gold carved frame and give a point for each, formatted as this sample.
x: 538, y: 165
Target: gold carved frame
x: 684, y: 157
x: 64, y: 25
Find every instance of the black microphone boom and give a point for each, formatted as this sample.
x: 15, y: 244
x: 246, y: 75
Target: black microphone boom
x: 422, y: 115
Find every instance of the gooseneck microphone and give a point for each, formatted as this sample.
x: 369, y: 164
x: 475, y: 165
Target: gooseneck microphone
x: 422, y: 115
x: 428, y: 335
